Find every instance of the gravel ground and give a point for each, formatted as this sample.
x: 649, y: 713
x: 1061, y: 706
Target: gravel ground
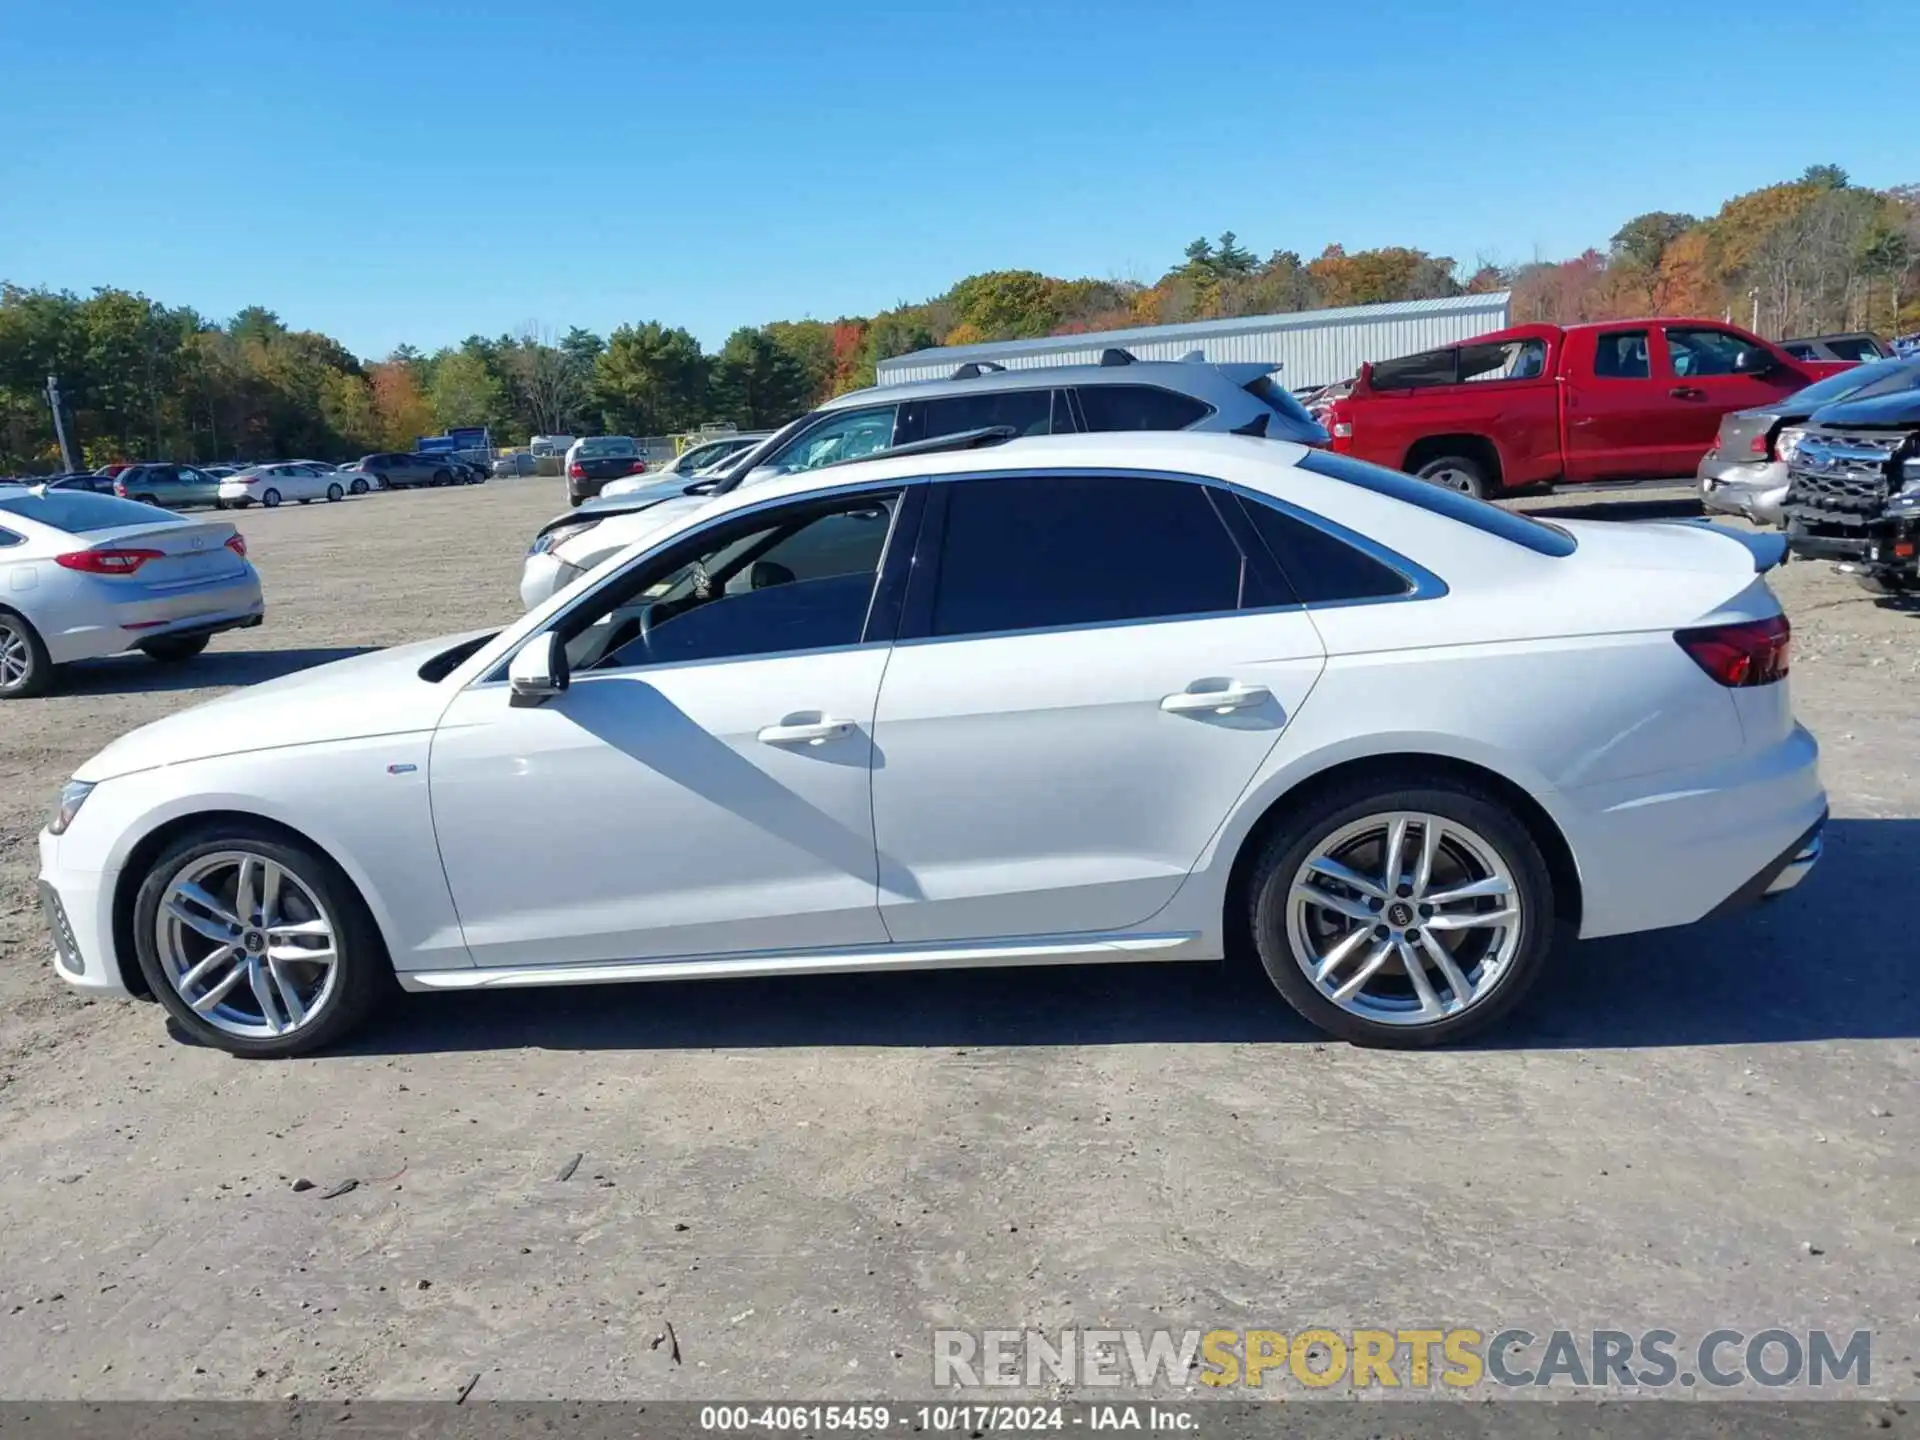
x: 805, y: 1178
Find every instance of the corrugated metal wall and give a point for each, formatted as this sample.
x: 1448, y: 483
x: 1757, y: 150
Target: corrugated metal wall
x: 1312, y: 347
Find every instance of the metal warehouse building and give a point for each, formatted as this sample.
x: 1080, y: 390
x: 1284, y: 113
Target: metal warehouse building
x: 1312, y: 347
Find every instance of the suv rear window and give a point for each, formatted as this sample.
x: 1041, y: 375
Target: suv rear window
x: 79, y: 511
x: 1138, y: 407
x: 1522, y: 530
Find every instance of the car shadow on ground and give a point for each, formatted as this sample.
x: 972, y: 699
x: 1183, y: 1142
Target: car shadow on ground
x: 135, y: 674
x: 1830, y: 961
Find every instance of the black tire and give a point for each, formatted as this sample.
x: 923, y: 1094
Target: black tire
x: 175, y: 649
x: 219, y: 504
x: 334, y: 492
x: 19, y: 641
x: 146, y: 500
x: 359, y: 486
x: 1456, y: 472
x: 363, y: 973
x: 270, y: 497
x: 1290, y: 844
x: 441, y: 477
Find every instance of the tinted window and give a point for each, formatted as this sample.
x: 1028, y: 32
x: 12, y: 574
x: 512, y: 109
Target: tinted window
x: 1799, y: 352
x: 1321, y: 568
x: 79, y: 511
x: 1541, y: 538
x: 1622, y: 355
x: 764, y: 585
x: 1856, y: 347
x: 7, y: 537
x: 1063, y: 421
x: 1027, y: 412
x: 601, y: 447
x: 1703, y: 352
x: 1138, y: 407
x: 1029, y: 552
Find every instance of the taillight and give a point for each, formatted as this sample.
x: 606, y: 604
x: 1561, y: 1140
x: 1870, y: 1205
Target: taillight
x: 1758, y: 445
x: 120, y: 488
x: 576, y: 471
x: 1753, y: 652
x: 107, y: 562
x: 639, y: 467
x: 238, y: 544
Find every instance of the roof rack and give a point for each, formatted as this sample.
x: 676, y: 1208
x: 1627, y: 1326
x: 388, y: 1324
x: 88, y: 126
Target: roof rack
x: 1114, y: 355
x: 974, y: 369
x: 959, y: 440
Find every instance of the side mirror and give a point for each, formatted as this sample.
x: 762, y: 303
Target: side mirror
x: 538, y: 670
x: 1754, y: 361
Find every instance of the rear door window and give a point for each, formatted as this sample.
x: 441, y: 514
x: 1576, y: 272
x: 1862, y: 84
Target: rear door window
x: 1694, y: 353
x: 1321, y: 568
x: 1138, y: 407
x: 1027, y: 552
x: 1025, y: 412
x: 848, y: 435
x: 1622, y: 355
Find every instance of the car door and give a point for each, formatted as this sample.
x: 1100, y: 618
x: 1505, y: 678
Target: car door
x: 1091, y: 668
x: 1620, y: 421
x: 701, y: 787
x: 1701, y: 360
x: 196, y: 486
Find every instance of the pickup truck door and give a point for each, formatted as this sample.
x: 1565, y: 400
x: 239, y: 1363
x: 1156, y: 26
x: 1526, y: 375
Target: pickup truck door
x: 1620, y: 421
x: 1704, y: 384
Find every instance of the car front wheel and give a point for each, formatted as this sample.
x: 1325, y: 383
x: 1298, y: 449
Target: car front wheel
x: 1403, y: 915
x: 334, y: 492
x: 257, y: 945
x: 270, y: 498
x: 358, y: 487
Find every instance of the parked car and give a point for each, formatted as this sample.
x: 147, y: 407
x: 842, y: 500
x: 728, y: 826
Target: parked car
x: 269, y: 485
x: 592, y: 462
x: 1854, y: 347
x: 76, y: 480
x: 519, y: 462
x: 1540, y: 405
x: 466, y: 472
x: 689, y: 462
x: 1118, y: 394
x: 357, y: 481
x: 113, y: 468
x: 173, y: 486
x: 1745, y: 473
x: 1395, y: 741
x: 1853, y: 492
x: 93, y: 575
x: 392, y: 470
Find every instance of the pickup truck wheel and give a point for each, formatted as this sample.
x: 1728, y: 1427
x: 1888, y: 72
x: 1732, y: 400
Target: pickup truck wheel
x: 1456, y: 472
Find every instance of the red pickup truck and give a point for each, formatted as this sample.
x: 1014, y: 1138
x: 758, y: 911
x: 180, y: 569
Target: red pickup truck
x: 1539, y: 404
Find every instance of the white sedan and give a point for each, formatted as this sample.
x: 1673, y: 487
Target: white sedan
x: 85, y: 575
x: 1073, y: 699
x: 300, y: 480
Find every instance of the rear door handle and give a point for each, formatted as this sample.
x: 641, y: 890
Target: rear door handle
x: 807, y: 732
x: 1687, y: 392
x: 1217, y: 702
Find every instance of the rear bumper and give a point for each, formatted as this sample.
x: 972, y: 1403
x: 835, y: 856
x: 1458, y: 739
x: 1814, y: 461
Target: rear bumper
x: 103, y: 628
x: 1756, y: 491
x: 1674, y: 848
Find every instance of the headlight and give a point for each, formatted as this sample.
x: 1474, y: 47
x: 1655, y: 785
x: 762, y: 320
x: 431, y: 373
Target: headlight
x: 72, y: 796
x: 1789, y: 442
x: 559, y: 535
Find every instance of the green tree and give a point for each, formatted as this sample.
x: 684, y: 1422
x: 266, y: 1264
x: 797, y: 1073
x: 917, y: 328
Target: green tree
x: 650, y: 380
x: 464, y: 391
x: 756, y: 384
x: 1643, y: 240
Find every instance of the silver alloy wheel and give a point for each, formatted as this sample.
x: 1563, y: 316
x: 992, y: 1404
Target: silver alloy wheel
x: 16, y: 656
x: 1453, y: 478
x: 1404, y: 918
x: 246, y: 943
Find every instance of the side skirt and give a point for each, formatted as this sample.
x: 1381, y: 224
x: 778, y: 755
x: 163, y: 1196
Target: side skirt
x: 1029, y: 950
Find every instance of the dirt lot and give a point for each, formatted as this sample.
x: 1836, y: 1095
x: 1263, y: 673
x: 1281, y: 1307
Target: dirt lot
x: 805, y: 1178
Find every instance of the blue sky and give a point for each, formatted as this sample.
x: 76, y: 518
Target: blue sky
x: 390, y: 171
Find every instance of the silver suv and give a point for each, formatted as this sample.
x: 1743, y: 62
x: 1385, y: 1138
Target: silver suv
x: 1119, y: 393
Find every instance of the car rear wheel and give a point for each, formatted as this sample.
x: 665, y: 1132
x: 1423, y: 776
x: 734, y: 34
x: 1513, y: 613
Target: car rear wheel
x: 173, y: 649
x: 334, y: 492
x: 1456, y: 472
x: 441, y: 477
x: 257, y: 945
x: 270, y: 498
x: 358, y: 487
x: 1403, y: 915
x: 25, y: 668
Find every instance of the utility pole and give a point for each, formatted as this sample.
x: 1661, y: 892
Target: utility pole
x: 1755, y: 295
x: 59, y: 423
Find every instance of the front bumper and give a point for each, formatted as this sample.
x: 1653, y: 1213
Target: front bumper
x: 77, y: 908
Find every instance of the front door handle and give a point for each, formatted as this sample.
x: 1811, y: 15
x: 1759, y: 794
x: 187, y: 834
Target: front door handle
x: 805, y: 732
x: 1687, y: 392
x: 1217, y: 702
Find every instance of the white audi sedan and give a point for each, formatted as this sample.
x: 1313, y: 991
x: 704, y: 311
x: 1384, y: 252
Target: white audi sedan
x: 84, y: 575
x: 1073, y: 699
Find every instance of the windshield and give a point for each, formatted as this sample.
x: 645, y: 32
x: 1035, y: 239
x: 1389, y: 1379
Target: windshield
x: 1881, y: 377
x: 606, y: 446
x: 79, y: 511
x: 739, y: 465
